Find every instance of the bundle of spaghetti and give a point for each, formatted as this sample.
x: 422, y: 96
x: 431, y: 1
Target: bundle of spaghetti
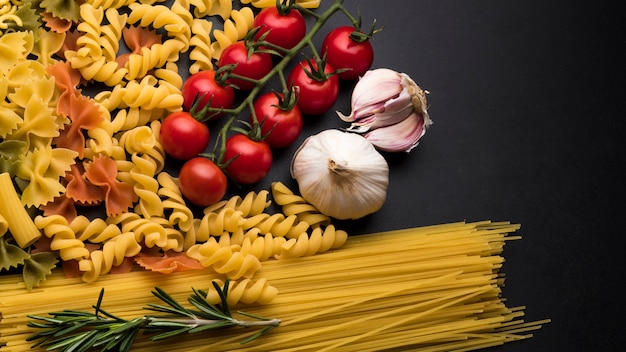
x: 434, y: 288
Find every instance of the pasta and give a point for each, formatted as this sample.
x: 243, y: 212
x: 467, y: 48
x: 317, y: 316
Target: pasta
x: 21, y: 225
x: 293, y: 204
x: 433, y: 288
x: 235, y: 28
x: 63, y: 237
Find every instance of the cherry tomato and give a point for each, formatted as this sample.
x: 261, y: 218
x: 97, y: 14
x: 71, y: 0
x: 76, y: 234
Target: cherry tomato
x: 343, y: 51
x: 315, y: 96
x: 182, y: 136
x: 202, y: 182
x: 284, y: 30
x: 204, y: 85
x: 251, y: 160
x: 254, y: 66
x: 280, y: 126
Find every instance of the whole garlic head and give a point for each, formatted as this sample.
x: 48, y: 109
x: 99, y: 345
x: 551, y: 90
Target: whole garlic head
x: 341, y: 174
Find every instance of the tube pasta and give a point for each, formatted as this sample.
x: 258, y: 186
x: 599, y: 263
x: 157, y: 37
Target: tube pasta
x: 17, y: 219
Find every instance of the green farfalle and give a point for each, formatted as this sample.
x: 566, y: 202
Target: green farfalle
x: 11, y: 152
x: 37, y: 267
x: 65, y: 9
x: 11, y: 256
x: 27, y: 12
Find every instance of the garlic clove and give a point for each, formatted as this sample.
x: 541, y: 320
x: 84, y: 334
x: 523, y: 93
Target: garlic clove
x: 403, y: 136
x: 341, y: 174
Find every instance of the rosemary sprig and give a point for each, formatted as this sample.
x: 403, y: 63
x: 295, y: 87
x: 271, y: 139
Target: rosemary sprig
x: 80, y: 331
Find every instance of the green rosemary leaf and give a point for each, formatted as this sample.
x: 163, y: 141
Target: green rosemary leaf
x: 171, y: 333
x: 70, y: 328
x: 207, y: 310
x: 67, y: 341
x: 164, y: 309
x: 253, y: 316
x: 262, y: 332
x: 80, y: 331
x: 212, y: 326
x: 223, y: 293
x: 165, y: 297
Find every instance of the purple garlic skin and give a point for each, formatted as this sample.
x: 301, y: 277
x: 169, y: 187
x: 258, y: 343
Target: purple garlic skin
x: 390, y: 108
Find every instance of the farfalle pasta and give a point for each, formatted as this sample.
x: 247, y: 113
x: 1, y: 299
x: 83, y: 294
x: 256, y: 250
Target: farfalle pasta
x: 43, y: 168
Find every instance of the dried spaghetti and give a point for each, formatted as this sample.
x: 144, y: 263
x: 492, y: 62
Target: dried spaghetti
x: 435, y: 288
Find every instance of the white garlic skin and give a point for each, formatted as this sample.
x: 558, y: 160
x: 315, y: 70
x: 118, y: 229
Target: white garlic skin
x: 341, y: 174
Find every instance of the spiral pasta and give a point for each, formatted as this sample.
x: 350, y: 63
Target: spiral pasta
x: 245, y: 291
x: 215, y: 224
x: 94, y: 231
x: 201, y: 54
x: 63, y: 237
x: 277, y: 224
x: 113, y: 253
x: 235, y: 28
x: 317, y: 242
x: 146, y: 231
x: 160, y: 16
x: 254, y: 203
x: 293, y: 204
x: 262, y: 247
x: 146, y: 186
x: 180, y: 215
x: 223, y: 260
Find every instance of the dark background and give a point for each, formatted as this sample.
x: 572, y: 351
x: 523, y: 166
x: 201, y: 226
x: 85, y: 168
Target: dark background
x: 527, y: 99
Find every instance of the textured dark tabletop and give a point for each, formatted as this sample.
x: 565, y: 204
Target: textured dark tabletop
x: 527, y: 99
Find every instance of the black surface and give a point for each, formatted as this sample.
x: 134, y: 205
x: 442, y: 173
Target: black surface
x: 527, y: 99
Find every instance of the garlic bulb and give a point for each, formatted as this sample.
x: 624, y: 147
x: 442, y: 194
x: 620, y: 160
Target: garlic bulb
x: 392, y: 107
x: 341, y: 174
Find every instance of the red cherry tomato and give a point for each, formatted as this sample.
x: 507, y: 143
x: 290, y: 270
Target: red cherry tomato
x: 251, y: 160
x: 280, y: 126
x: 342, y: 51
x: 254, y: 66
x: 314, y: 96
x: 283, y: 30
x: 202, y: 182
x: 204, y: 85
x: 182, y: 136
